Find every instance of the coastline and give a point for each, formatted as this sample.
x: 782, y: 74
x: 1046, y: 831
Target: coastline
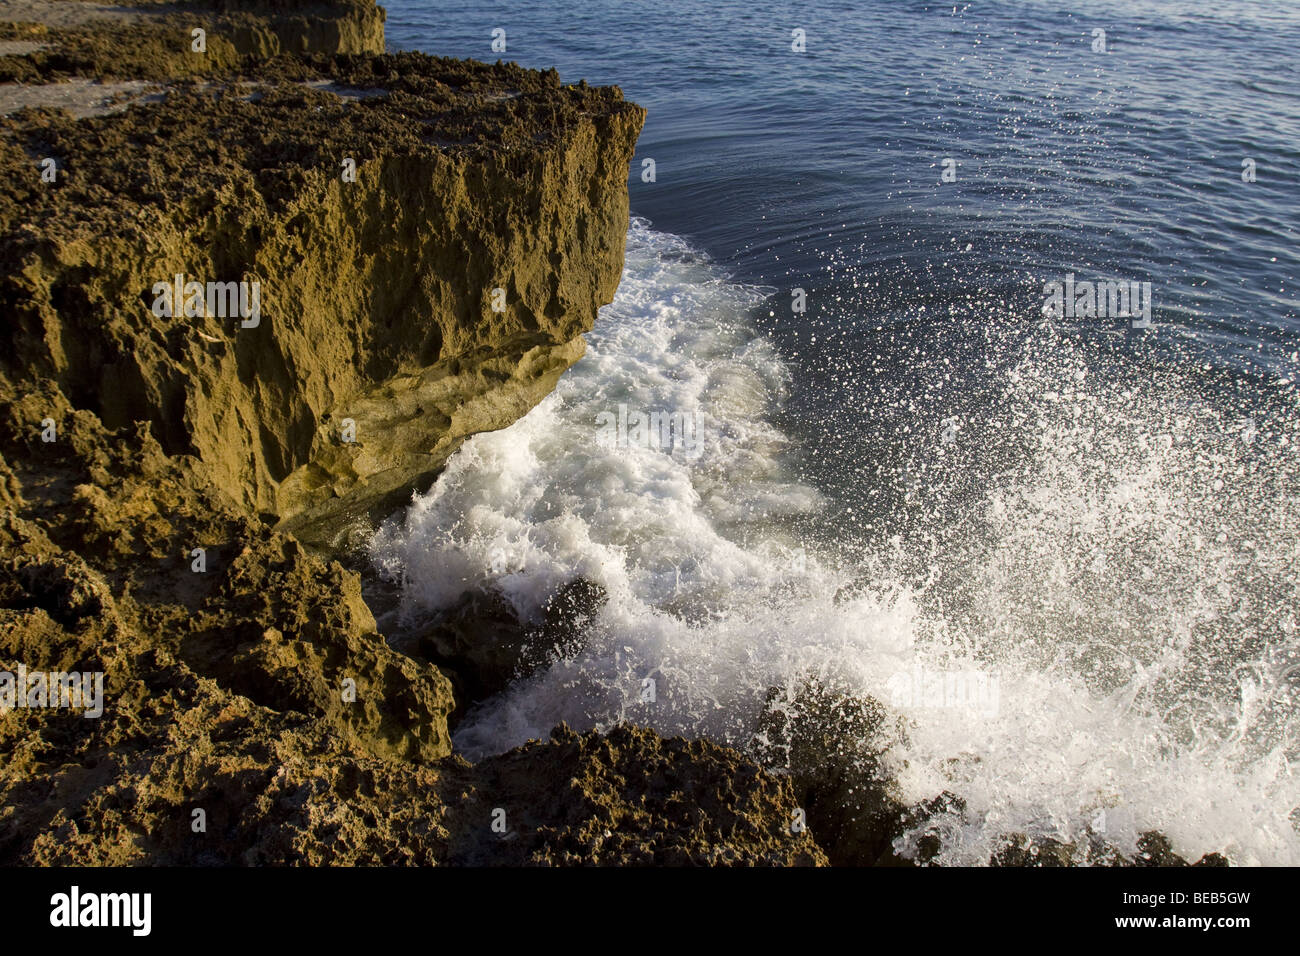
x: 258, y: 687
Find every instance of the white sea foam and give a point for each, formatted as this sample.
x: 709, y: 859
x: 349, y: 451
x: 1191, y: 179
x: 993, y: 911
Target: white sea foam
x: 1140, y: 648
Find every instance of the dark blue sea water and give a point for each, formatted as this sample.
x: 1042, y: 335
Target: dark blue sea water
x: 1100, y: 516
x: 823, y: 167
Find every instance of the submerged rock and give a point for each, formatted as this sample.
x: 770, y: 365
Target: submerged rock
x: 1153, y: 849
x: 480, y: 639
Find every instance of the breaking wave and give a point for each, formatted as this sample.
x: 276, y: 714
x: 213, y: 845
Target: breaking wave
x: 1090, y: 617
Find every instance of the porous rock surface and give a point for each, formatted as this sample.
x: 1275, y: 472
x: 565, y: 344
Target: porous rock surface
x: 174, y: 489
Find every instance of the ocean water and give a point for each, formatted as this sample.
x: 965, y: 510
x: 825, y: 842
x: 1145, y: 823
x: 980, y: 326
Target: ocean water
x: 1064, y: 547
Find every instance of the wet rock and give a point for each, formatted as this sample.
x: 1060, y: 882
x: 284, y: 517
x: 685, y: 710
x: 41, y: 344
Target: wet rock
x: 629, y: 797
x: 830, y: 744
x: 566, y: 622
x: 570, y: 612
x: 1022, y: 852
x: 1153, y: 849
x: 479, y: 639
x: 484, y: 645
x: 922, y: 824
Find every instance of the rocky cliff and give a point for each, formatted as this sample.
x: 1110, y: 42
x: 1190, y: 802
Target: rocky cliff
x: 246, y: 310
x: 425, y: 242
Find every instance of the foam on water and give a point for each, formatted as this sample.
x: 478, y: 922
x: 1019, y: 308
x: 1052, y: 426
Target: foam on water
x: 1123, y: 597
